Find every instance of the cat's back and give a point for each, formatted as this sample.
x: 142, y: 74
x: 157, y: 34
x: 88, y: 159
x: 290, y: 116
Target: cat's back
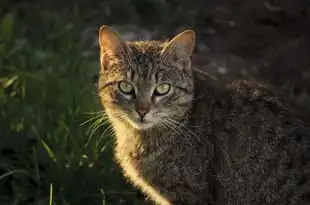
x: 262, y: 143
x: 248, y: 98
x: 254, y: 101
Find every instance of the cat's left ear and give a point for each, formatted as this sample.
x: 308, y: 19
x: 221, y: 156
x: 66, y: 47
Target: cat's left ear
x: 180, y: 48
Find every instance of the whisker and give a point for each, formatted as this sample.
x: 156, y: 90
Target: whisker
x: 179, y: 131
x: 97, y: 122
x: 191, y: 132
x: 94, y: 127
x: 105, y: 133
x: 98, y: 125
x: 96, y: 112
x: 91, y: 119
x: 163, y: 124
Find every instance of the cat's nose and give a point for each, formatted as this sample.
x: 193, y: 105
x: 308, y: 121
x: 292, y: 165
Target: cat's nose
x: 142, y: 112
x: 142, y: 108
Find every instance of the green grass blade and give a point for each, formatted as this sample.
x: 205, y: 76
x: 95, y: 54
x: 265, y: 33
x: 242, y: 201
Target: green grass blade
x: 49, y: 151
x: 51, y: 194
x: 17, y: 171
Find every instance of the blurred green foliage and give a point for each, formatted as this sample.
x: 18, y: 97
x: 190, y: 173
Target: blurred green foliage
x: 52, y: 150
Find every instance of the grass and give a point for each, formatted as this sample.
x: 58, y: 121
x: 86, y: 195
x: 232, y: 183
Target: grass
x: 50, y: 150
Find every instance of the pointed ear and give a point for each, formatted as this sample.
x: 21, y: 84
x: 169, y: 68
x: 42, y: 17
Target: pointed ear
x: 180, y: 47
x: 112, y: 44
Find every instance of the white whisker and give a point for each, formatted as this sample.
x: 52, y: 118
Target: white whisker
x: 178, y: 131
x: 178, y: 123
x: 91, y: 119
x: 106, y: 133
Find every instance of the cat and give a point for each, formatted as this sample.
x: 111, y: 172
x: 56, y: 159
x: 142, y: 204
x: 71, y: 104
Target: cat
x: 185, y: 138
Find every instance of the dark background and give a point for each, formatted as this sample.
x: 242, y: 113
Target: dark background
x: 54, y: 146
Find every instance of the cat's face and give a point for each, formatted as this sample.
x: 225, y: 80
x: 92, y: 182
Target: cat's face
x: 146, y: 84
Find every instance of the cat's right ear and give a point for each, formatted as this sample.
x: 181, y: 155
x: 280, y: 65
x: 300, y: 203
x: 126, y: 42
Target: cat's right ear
x: 112, y: 45
x: 180, y: 47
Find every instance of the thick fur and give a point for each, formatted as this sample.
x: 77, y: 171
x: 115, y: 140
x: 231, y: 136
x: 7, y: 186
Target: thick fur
x: 234, y: 143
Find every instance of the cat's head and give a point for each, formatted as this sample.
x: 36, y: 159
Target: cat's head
x: 146, y: 83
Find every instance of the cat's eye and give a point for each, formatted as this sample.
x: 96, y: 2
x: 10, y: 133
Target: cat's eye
x: 162, y: 89
x: 126, y: 88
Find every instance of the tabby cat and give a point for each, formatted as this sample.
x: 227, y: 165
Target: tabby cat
x: 184, y: 138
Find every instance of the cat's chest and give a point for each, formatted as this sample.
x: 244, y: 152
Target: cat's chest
x: 145, y: 158
x: 152, y: 162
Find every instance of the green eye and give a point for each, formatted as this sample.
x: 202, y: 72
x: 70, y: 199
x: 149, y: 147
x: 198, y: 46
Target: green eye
x: 162, y: 89
x: 125, y: 87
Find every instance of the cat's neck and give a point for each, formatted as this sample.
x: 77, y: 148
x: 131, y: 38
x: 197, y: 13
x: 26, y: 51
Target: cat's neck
x: 130, y: 139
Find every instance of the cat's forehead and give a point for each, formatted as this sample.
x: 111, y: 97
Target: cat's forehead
x: 145, y: 64
x: 145, y: 58
x: 146, y: 51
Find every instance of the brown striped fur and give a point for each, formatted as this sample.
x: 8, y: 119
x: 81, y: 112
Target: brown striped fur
x: 206, y: 142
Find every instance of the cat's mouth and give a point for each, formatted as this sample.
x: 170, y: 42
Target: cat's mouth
x: 141, y: 124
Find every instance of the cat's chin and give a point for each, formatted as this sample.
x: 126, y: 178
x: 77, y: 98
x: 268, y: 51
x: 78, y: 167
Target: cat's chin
x: 141, y: 125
